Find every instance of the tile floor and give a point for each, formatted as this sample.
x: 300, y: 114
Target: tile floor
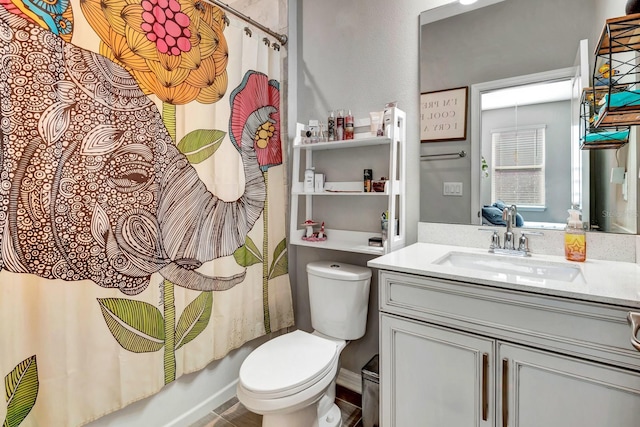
x: 234, y: 414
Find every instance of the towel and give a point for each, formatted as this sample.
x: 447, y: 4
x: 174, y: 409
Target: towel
x: 493, y: 214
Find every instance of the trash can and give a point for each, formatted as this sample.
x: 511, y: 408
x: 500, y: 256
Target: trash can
x: 371, y: 393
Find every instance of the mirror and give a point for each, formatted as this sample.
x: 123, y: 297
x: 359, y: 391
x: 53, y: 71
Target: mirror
x: 506, y: 44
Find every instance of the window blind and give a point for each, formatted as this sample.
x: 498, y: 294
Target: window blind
x: 518, y: 166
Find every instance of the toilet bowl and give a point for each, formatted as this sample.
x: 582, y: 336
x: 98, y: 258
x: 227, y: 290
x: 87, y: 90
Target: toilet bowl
x: 291, y: 379
x: 274, y: 382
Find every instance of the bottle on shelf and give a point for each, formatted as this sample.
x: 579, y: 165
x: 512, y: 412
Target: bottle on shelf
x: 340, y: 125
x: 348, y: 126
x: 368, y: 174
x: 331, y: 127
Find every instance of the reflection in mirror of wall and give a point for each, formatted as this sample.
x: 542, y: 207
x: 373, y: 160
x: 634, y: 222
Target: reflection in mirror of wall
x: 502, y: 41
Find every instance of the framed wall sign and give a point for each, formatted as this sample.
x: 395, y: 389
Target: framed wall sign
x: 443, y: 115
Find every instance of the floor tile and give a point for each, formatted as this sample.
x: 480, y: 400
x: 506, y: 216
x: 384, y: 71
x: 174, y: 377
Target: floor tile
x: 226, y: 405
x: 212, y: 420
x: 347, y: 395
x: 350, y: 414
x: 240, y: 416
x: 233, y: 414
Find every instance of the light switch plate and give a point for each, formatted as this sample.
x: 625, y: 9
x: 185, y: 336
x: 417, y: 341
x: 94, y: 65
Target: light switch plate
x: 452, y: 189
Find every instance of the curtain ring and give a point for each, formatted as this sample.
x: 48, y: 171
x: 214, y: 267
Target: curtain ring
x: 247, y: 31
x: 275, y: 46
x: 225, y: 19
x: 266, y: 41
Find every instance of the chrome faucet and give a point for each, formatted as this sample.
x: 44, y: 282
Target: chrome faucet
x: 509, y: 247
x: 509, y: 216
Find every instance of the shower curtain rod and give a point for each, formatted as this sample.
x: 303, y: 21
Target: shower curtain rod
x: 282, y: 38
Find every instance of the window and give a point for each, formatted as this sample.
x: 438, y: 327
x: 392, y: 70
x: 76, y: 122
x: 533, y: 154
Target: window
x: 518, y: 166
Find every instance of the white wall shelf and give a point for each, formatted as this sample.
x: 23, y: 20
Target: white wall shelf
x: 342, y: 240
x: 351, y: 143
x: 392, y: 200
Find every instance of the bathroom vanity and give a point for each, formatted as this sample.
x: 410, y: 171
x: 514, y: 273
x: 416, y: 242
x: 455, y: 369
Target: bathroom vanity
x: 469, y: 338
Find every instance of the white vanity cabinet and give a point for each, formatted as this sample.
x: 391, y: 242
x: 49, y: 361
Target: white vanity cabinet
x: 434, y: 376
x: 460, y: 354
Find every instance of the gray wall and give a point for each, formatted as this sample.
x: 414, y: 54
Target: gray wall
x: 357, y: 54
x: 360, y: 54
x: 512, y: 38
x: 555, y: 115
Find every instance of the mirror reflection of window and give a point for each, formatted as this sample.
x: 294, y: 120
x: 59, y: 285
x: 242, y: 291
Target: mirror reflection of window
x: 518, y: 166
x: 527, y: 145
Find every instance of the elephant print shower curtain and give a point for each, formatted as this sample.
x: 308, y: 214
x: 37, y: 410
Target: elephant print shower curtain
x: 142, y: 201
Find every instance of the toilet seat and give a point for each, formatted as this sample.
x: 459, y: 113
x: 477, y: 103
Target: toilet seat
x: 287, y: 365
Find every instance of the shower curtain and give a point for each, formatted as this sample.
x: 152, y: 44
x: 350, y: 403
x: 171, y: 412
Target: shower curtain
x: 142, y: 200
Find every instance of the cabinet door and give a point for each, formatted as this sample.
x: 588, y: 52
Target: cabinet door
x: 552, y: 390
x: 434, y: 377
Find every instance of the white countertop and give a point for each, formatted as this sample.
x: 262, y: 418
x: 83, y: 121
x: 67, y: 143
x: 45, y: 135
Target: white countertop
x: 608, y: 282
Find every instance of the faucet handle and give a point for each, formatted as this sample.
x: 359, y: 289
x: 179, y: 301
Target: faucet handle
x: 495, y: 240
x: 495, y: 237
x: 523, y: 242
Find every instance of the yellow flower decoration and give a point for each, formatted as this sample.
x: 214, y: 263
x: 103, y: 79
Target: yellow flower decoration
x: 175, y: 49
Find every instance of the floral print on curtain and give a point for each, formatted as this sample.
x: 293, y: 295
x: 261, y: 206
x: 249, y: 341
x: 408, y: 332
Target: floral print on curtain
x: 255, y: 120
x: 100, y: 187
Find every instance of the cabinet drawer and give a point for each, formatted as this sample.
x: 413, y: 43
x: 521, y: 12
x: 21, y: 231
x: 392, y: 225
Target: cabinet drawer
x: 589, y: 330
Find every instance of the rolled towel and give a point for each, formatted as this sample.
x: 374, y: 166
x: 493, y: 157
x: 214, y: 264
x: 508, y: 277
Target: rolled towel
x: 493, y: 215
x: 501, y: 205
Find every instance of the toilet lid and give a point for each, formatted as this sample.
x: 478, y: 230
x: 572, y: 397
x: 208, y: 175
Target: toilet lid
x: 288, y: 363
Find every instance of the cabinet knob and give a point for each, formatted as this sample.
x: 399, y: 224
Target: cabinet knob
x: 634, y: 321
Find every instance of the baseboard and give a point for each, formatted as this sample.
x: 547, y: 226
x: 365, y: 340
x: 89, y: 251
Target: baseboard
x: 205, y: 407
x: 346, y: 379
x: 350, y: 380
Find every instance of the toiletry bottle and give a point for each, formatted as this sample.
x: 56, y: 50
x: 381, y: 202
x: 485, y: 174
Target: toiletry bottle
x: 340, y: 125
x: 309, y: 178
x: 575, y: 241
x: 348, y: 126
x: 331, y: 127
x: 368, y: 173
x: 384, y: 225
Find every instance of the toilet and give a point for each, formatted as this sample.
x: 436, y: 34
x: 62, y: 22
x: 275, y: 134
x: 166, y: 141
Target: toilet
x: 290, y: 380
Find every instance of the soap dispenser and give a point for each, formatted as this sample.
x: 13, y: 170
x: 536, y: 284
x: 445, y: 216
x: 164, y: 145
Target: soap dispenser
x: 575, y: 241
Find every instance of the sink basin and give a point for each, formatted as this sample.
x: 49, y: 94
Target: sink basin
x: 510, y: 267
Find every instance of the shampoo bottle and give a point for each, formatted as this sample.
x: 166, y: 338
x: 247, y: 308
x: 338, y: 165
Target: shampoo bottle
x: 575, y: 242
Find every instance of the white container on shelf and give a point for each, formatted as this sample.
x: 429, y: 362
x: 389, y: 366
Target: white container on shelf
x: 309, y: 180
x: 319, y: 183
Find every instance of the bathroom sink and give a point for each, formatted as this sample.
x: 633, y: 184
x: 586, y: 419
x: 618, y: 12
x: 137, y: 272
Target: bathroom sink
x: 505, y: 267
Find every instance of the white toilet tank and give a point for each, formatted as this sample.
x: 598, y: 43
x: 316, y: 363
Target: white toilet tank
x: 339, y: 298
